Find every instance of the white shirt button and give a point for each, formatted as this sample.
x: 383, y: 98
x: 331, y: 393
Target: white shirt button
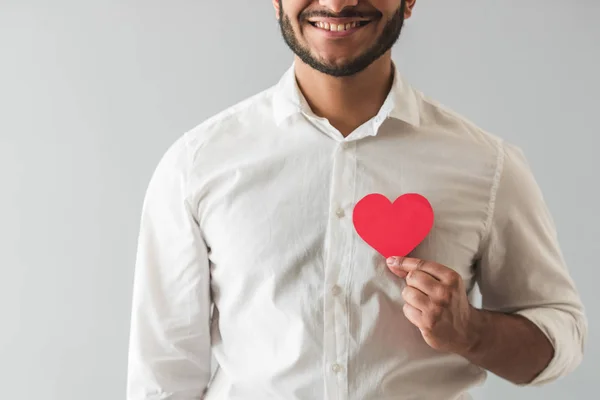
x: 340, y: 213
x: 345, y: 145
x: 336, y: 290
x: 336, y: 368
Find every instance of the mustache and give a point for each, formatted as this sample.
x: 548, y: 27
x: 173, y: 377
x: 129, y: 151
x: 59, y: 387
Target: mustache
x: 345, y: 13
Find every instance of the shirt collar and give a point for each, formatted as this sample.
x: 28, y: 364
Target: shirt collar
x: 401, y: 103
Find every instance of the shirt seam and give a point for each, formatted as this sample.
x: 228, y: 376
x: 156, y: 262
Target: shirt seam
x: 187, y: 173
x: 491, y: 207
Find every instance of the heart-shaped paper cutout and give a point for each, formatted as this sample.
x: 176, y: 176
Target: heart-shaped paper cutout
x: 393, y: 229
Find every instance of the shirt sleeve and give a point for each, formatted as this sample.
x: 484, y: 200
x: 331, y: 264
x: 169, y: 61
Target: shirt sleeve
x: 169, y: 346
x: 521, y: 269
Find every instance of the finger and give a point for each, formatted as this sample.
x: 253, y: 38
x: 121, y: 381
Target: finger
x: 412, y: 314
x: 397, y: 270
x: 425, y: 282
x: 416, y: 298
x: 438, y: 271
x: 404, y: 266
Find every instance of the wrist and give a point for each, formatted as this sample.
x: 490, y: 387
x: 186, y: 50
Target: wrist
x: 478, y: 335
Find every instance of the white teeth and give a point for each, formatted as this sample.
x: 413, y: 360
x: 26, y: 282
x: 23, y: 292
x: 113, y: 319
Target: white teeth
x: 337, y: 27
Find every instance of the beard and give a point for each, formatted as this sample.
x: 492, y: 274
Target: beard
x: 389, y: 36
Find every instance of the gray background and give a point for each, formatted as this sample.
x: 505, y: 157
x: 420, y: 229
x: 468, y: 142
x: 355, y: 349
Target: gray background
x: 92, y: 93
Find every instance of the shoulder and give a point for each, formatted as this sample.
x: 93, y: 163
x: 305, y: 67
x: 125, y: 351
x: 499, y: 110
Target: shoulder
x: 228, y: 122
x: 508, y: 159
x: 446, y: 121
x: 180, y: 155
x: 231, y: 121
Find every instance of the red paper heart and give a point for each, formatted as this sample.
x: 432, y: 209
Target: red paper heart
x: 393, y: 229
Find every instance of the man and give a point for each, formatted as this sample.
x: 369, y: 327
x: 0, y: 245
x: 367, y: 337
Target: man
x: 248, y: 252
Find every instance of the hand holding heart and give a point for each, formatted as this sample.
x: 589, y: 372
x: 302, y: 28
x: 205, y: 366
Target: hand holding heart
x: 436, y: 303
x: 435, y: 296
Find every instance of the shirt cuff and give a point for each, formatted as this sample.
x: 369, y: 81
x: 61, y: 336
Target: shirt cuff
x: 566, y: 333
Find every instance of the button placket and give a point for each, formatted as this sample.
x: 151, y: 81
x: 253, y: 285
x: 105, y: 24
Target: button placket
x: 341, y: 242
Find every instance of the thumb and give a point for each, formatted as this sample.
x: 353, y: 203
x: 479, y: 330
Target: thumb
x: 395, y: 266
x: 401, y: 266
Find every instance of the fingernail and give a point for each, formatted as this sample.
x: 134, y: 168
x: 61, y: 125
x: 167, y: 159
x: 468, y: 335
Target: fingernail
x: 393, y: 262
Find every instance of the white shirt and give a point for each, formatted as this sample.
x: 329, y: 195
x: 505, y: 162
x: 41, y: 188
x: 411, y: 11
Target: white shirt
x: 251, y: 212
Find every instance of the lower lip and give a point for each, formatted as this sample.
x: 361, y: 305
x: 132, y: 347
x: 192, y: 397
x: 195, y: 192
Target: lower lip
x: 338, y: 34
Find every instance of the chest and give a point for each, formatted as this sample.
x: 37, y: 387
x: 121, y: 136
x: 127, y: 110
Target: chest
x: 285, y: 215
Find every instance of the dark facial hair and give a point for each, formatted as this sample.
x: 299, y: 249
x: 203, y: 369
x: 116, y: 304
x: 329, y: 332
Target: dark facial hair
x: 387, y: 39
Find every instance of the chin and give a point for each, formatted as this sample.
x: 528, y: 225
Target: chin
x: 337, y: 57
x: 336, y: 61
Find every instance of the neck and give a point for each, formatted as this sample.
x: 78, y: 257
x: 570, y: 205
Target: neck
x: 346, y: 102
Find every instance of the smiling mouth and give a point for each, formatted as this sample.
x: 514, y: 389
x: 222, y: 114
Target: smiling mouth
x: 334, y: 27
